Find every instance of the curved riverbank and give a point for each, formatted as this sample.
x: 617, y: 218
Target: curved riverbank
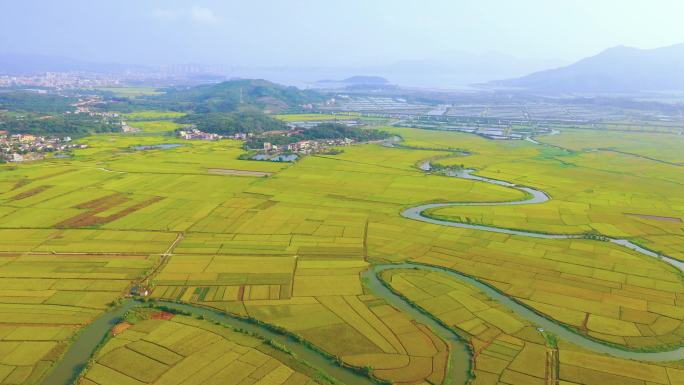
x: 67, y: 370
x: 549, y: 325
x: 535, y: 196
x: 84, y: 345
x: 459, y: 370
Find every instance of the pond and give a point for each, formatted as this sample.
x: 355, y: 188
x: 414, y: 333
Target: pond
x: 276, y: 158
x: 162, y: 146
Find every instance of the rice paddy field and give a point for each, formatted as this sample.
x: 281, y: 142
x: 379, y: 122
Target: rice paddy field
x: 662, y: 147
x: 152, y: 115
x: 603, y: 192
x: 132, y: 92
x: 46, y: 298
x: 163, y: 348
x: 155, y: 126
x: 510, y: 350
x: 285, y: 244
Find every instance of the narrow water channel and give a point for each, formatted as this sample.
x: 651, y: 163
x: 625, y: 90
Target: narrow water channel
x: 524, y: 312
x: 67, y: 370
x: 535, y: 196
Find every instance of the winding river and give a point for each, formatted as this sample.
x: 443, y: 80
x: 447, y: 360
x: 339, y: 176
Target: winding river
x: 85, y: 344
x: 67, y: 370
x: 534, y: 196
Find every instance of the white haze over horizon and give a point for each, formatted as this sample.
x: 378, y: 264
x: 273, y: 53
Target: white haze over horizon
x: 390, y: 36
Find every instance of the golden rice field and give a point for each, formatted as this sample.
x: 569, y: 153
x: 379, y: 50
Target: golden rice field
x: 152, y: 115
x: 132, y: 92
x: 184, y: 350
x: 665, y: 147
x: 614, y: 194
x: 288, y: 249
x: 510, y: 350
x: 611, y: 298
x: 45, y: 299
x: 155, y: 126
x: 321, y: 300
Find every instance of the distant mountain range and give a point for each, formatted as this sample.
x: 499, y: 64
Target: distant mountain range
x: 358, y: 82
x: 359, y: 79
x: 459, y: 69
x: 445, y: 70
x: 615, y: 70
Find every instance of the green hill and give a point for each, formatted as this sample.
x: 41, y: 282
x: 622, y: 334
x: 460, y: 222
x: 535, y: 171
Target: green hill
x: 237, y: 95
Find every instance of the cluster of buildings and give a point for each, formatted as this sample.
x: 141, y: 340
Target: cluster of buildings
x: 25, y: 147
x: 242, y: 136
x: 60, y: 80
x: 84, y: 105
x: 192, y: 133
x: 112, y: 78
x: 307, y: 146
x: 195, y: 134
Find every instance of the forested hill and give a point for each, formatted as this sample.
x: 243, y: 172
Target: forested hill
x: 23, y: 112
x: 233, y: 122
x: 236, y: 95
x: 26, y: 101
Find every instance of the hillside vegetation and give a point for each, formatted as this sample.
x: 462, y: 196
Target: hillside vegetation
x: 234, y: 95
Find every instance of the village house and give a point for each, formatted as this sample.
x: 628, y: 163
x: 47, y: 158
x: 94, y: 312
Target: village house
x: 25, y: 147
x: 195, y: 134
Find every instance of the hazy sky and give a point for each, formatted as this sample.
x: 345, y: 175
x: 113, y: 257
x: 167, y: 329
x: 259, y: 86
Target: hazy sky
x: 331, y: 32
